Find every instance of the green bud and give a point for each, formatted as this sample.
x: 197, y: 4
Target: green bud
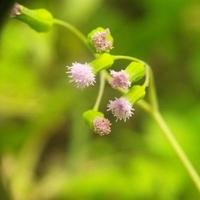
x: 103, y: 61
x: 90, y: 115
x: 97, y: 122
x: 101, y: 39
x: 136, y: 71
x: 40, y: 20
x: 136, y: 93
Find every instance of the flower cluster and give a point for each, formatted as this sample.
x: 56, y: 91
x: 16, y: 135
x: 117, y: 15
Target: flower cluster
x: 83, y: 75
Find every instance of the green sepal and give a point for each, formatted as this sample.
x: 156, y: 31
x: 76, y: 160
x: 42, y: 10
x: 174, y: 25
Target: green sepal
x: 136, y: 71
x: 136, y: 93
x: 40, y: 20
x: 90, y: 115
x: 102, y: 61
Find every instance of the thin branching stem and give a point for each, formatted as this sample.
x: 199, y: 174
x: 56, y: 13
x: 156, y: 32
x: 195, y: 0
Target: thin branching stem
x: 75, y: 31
x: 151, y: 108
x: 101, y: 90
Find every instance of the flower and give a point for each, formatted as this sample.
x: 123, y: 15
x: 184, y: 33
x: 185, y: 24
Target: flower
x: 101, y: 41
x: 16, y: 10
x: 101, y: 126
x: 120, y: 79
x: 121, y: 108
x: 81, y: 75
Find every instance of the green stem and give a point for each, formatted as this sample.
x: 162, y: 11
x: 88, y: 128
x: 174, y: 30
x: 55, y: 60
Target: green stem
x: 84, y: 40
x: 122, y: 57
x: 172, y: 141
x: 75, y: 31
x: 147, y: 80
x: 152, y: 91
x: 101, y: 90
x: 177, y: 148
x: 153, y: 110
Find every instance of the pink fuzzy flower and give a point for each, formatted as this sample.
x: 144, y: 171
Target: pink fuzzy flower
x: 81, y: 75
x: 102, y: 126
x: 121, y: 108
x: 100, y: 41
x: 120, y: 79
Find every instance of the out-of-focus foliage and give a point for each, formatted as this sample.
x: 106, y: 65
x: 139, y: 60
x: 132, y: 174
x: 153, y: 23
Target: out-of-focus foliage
x: 47, y: 152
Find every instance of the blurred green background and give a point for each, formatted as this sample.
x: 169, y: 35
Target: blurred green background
x: 48, y: 153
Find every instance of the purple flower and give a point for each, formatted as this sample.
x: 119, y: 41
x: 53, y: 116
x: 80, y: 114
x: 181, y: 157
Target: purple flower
x: 101, y: 42
x: 120, y: 79
x: 121, y: 108
x: 102, y: 126
x: 81, y: 75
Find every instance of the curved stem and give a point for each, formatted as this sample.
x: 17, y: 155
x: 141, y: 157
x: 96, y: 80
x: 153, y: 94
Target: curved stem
x: 177, y: 148
x: 75, y: 31
x: 101, y: 89
x: 152, y: 109
x: 152, y: 91
x: 168, y: 133
x: 84, y: 40
x: 122, y: 57
x: 147, y: 80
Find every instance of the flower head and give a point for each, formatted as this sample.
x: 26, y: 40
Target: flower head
x: 121, y: 108
x: 120, y: 79
x: 101, y: 40
x: 102, y: 126
x: 16, y: 10
x: 81, y: 75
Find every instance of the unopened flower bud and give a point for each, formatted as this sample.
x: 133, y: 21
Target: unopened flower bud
x: 136, y: 71
x: 101, y: 39
x: 97, y: 122
x: 40, y: 20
